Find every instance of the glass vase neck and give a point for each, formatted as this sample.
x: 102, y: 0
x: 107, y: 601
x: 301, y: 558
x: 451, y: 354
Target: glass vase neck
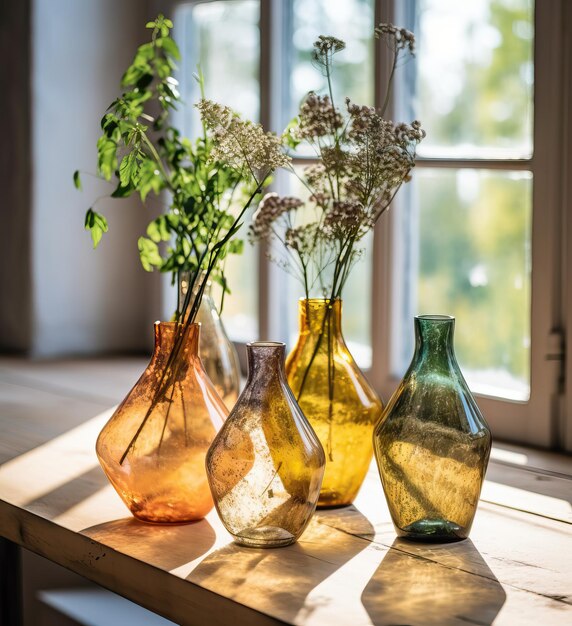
x: 265, y: 358
x: 434, y: 339
x: 319, y: 315
x: 167, y: 334
x: 184, y: 279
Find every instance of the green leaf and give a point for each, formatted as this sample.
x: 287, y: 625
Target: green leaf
x: 108, y: 124
x: 186, y: 246
x: 129, y: 169
x: 236, y: 246
x: 158, y: 230
x: 145, y: 53
x: 149, y: 254
x: 123, y: 192
x: 170, y: 47
x: 134, y: 74
x: 77, y: 180
x: 290, y: 135
x: 150, y: 179
x: 144, y: 81
x: 107, y: 159
x: 96, y: 224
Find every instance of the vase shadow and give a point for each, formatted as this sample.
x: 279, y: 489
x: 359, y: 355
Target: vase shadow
x: 69, y: 494
x: 278, y: 581
x: 165, y: 546
x: 433, y: 585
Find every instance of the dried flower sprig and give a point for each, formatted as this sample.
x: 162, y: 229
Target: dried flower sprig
x: 241, y: 144
x: 398, y: 41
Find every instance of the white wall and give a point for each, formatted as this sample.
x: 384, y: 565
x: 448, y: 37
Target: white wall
x: 84, y: 300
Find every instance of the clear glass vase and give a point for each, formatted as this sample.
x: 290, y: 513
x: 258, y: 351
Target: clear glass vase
x: 265, y: 466
x: 154, y: 446
x: 432, y: 444
x: 336, y: 398
x: 216, y: 350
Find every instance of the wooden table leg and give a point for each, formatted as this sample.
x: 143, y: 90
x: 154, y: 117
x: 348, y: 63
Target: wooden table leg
x: 10, y: 584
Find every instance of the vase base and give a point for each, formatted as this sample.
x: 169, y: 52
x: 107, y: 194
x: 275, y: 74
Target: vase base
x: 168, y: 515
x: 166, y: 522
x: 324, y: 506
x: 265, y: 537
x: 433, y: 531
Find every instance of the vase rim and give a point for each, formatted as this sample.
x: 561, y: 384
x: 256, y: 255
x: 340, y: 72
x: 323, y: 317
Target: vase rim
x: 174, y: 325
x: 435, y: 318
x: 266, y: 344
x: 302, y: 299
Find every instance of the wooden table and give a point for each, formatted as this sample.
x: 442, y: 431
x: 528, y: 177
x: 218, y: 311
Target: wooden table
x: 347, y: 569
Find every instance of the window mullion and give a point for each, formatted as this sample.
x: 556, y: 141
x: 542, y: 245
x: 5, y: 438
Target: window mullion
x: 267, y: 11
x: 565, y: 425
x: 484, y: 164
x: 274, y: 25
x: 381, y: 317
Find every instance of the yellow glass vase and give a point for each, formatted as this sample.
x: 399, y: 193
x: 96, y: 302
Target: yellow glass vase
x: 336, y: 398
x: 266, y: 464
x: 154, y: 446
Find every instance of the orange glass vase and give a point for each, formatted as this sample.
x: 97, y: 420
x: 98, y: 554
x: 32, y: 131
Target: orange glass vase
x: 154, y: 446
x: 335, y: 397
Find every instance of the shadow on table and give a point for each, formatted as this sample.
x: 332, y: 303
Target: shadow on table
x: 164, y: 546
x: 278, y: 581
x: 71, y: 493
x: 545, y: 484
x: 437, y: 584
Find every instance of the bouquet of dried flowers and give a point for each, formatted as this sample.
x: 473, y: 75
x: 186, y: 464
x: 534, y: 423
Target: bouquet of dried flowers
x: 362, y: 160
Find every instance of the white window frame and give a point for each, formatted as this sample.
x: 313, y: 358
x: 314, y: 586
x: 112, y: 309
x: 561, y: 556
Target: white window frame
x: 544, y: 420
x: 536, y: 421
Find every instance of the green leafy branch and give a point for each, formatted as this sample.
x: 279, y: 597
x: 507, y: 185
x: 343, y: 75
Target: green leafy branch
x: 143, y: 154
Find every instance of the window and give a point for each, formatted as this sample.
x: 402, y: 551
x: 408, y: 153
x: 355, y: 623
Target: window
x: 469, y: 208
x: 223, y: 37
x: 475, y: 234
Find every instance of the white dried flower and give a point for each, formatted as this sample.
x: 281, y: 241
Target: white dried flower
x: 270, y: 209
x: 318, y: 117
x: 396, y: 38
x: 326, y: 45
x: 240, y: 143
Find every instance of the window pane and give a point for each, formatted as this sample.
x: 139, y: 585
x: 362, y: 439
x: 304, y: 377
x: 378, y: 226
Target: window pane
x: 474, y: 81
x: 356, y: 312
x: 223, y: 36
x: 240, y: 312
x: 352, y: 21
x: 469, y: 254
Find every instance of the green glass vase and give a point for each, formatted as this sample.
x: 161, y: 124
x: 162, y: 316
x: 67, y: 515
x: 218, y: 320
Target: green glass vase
x: 432, y: 444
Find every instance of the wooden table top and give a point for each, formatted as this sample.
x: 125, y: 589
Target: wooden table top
x: 348, y: 567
